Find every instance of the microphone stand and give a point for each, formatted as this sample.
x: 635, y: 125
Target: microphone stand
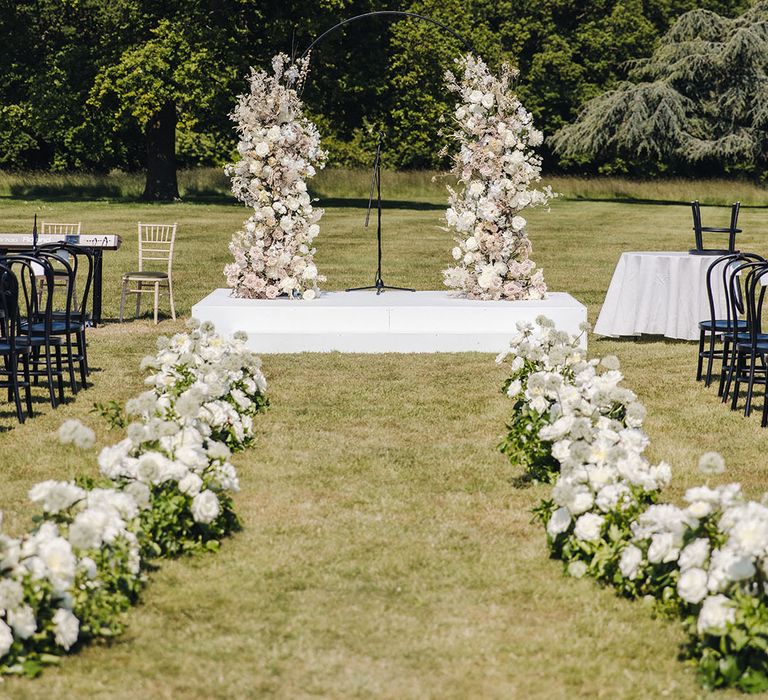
x: 378, y: 284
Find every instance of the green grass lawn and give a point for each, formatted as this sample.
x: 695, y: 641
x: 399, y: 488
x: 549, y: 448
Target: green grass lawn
x: 386, y: 551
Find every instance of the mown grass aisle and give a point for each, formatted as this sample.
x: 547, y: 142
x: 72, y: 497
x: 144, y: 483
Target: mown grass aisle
x: 386, y: 551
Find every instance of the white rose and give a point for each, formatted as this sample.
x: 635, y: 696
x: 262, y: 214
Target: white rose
x: 518, y: 223
x: 67, y: 628
x: 588, y: 527
x: 6, y: 639
x: 694, y: 555
x: 190, y: 484
x: 692, y: 585
x: 716, y: 613
x: 630, y: 561
x: 456, y: 252
x: 11, y: 594
x: 577, y: 569
x: 475, y: 96
x: 487, y: 100
x: 23, y: 622
x: 273, y: 134
x: 581, y: 502
x: 559, y: 522
x: 205, y: 507
x: 662, y: 549
x: 262, y: 149
x: 308, y: 294
x: 514, y: 388
x: 471, y: 243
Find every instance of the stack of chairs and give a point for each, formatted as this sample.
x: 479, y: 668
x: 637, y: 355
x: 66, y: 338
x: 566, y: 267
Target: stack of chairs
x: 43, y: 320
x: 736, y: 339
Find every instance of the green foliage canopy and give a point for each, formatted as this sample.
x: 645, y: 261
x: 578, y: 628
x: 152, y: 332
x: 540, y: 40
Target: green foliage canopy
x: 78, y: 78
x: 700, y: 101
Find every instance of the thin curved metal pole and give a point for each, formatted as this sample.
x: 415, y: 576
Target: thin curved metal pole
x: 396, y: 13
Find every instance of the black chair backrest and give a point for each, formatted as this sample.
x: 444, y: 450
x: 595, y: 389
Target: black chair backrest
x: 35, y: 297
x: 735, y: 207
x: 755, y: 286
x: 725, y: 261
x: 81, y: 260
x: 732, y: 229
x: 9, y: 306
x: 737, y: 281
x: 61, y: 296
x: 696, y: 208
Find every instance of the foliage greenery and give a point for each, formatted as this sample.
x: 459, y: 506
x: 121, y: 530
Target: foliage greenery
x: 698, y: 103
x: 82, y: 79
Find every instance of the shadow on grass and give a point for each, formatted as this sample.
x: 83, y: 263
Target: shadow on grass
x: 355, y: 203
x: 656, y: 202
x: 644, y: 339
x: 112, y: 193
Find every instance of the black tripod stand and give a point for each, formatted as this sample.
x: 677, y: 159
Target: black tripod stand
x: 378, y: 284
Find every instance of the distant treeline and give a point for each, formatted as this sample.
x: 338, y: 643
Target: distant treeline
x: 95, y: 85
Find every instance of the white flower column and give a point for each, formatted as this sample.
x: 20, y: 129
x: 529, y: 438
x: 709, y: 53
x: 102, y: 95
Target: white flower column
x: 495, y: 167
x: 280, y: 150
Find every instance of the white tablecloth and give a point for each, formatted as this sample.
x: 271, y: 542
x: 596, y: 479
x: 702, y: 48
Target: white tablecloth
x: 661, y: 293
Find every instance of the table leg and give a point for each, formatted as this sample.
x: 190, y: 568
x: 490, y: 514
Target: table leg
x: 97, y: 270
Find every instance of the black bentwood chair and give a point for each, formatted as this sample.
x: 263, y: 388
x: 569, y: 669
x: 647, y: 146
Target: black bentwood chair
x: 15, y: 356
x: 61, y: 324
x: 747, y: 295
x: 754, y: 347
x: 36, y: 282
x: 699, y: 230
x: 81, y: 262
x: 716, y: 327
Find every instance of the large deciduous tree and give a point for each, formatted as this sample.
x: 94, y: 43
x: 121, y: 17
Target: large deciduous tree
x: 158, y: 83
x: 699, y: 103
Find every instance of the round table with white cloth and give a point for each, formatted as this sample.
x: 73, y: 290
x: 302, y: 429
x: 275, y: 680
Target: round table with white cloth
x: 659, y: 293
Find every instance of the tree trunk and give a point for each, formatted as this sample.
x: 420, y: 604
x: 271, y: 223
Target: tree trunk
x: 160, y: 134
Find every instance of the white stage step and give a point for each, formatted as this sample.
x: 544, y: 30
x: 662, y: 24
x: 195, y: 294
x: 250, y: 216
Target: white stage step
x: 390, y: 322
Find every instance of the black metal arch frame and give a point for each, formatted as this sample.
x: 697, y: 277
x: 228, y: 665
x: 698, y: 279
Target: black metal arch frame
x: 396, y: 13
x: 379, y: 285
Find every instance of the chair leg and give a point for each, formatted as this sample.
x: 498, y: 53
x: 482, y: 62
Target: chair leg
x: 157, y: 299
x: 726, y: 352
x: 123, y: 294
x: 700, y: 362
x: 83, y: 362
x: 736, y: 381
x: 170, y: 298
x: 750, y: 385
x: 138, y: 299
x: 71, y: 365
x: 14, y: 382
x: 60, y: 373
x: 732, y: 362
x: 27, y: 385
x: 49, y: 372
x: 710, y: 360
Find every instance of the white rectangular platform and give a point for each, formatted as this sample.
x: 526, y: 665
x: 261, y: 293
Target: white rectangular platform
x: 390, y: 322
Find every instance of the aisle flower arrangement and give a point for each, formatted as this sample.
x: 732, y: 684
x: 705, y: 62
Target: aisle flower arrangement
x: 279, y: 151
x: 495, y: 167
x: 162, y: 491
x: 576, y: 427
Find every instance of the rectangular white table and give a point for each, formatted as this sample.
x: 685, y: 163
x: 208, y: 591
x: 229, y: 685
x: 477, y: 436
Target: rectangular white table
x: 659, y: 293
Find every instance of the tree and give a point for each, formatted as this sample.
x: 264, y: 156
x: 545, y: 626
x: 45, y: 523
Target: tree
x: 159, y: 83
x: 698, y: 104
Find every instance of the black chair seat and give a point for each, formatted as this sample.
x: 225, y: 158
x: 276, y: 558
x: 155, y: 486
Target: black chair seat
x: 720, y: 324
x: 57, y: 327
x: 5, y: 347
x: 37, y: 341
